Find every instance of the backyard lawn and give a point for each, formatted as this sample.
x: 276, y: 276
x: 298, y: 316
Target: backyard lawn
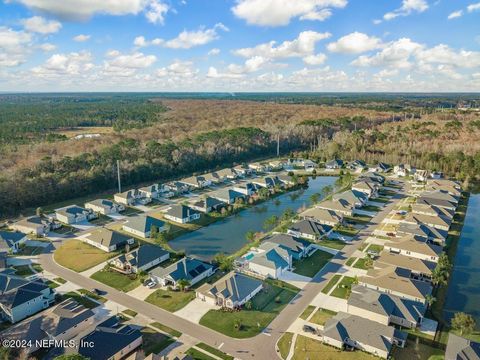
x: 321, y: 316
x: 414, y: 351
x: 350, y: 261
x: 307, y: 348
x: 170, y: 300
x: 284, y: 344
x: 313, y: 264
x: 343, y: 288
x: 78, y: 256
x: 375, y: 248
x: 333, y: 244
x: 29, y: 250
x: 331, y: 283
x: 154, y: 342
x: 116, y: 280
x: 266, y: 305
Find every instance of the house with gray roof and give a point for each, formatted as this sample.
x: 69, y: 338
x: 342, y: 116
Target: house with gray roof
x: 309, y: 229
x: 20, y: 298
x: 356, y: 198
x: 334, y: 164
x: 141, y: 225
x: 181, y: 214
x: 385, y: 308
x: 323, y: 216
x: 36, y: 225
x: 357, y: 165
x: 431, y: 210
x: 459, y: 348
x: 176, y: 187
x: 372, y: 176
x: 440, y: 195
x: 10, y: 241
x: 112, y: 339
x: 225, y: 174
x: 196, y: 182
x: 270, y: 260
x: 142, y: 258
x: 421, y: 268
x: 436, y: 202
x: 104, y: 206
x: 436, y: 222
x: 297, y: 247
x: 74, y: 214
x: 132, y: 197
x: 381, y: 167
x: 423, y: 231
x: 231, y: 291
x: 106, y: 240
x: 341, y: 206
x: 414, y: 247
x: 227, y: 195
x: 242, y: 170
x: 362, y: 334
x: 266, y: 181
x: 150, y: 191
x: 189, y: 269
x: 206, y: 204
x: 369, y: 188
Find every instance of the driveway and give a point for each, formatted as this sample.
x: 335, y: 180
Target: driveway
x: 297, y: 280
x: 85, y: 225
x: 117, y: 217
x: 195, y: 310
x: 141, y: 292
x: 93, y: 270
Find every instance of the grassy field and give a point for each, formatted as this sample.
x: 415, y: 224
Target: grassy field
x: 284, y: 344
x: 307, y: 348
x: 154, y: 342
x: 247, y: 323
x: 116, y: 280
x: 350, y: 261
x: 60, y: 280
x: 313, y: 264
x: 414, y: 351
x: 198, y: 355
x: 170, y: 300
x: 306, y: 313
x: 321, y: 316
x: 343, y: 288
x: 331, y: 283
x: 333, y: 244
x: 363, y: 263
x: 166, y: 329
x: 214, y: 351
x: 78, y: 256
x: 130, y: 312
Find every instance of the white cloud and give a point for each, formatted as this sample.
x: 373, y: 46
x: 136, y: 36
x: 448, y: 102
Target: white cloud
x: 213, y: 52
x: 473, y: 7
x: 140, y: 41
x: 443, y: 54
x: 188, y: 39
x: 127, y: 64
x: 13, y: 46
x: 47, y: 47
x: 74, y: 63
x: 280, y: 12
x: 81, y: 38
x: 408, y: 6
x: 178, y: 68
x: 455, y: 14
x: 355, y: 43
x: 302, y: 46
x: 156, y: 12
x: 318, y: 59
x: 213, y: 73
x: 253, y: 64
x: 41, y: 25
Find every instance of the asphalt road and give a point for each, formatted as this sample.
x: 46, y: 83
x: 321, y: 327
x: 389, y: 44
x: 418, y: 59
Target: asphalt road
x: 261, y: 346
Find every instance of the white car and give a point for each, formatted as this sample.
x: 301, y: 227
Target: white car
x: 151, y: 285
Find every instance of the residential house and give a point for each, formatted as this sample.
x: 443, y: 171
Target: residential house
x: 286, y: 179
x: 323, y: 216
x: 36, y: 225
x: 259, y: 167
x: 196, y: 182
x: 150, y: 192
x: 397, y: 281
x: 387, y: 309
x: 446, y: 186
x: 354, y: 197
x: 403, y: 170
x: 436, y: 175
x: 176, y: 187
x: 440, y: 195
x: 226, y: 174
x: 411, y: 246
x: 444, y: 183
x: 270, y: 261
x: 231, y: 291
x: 298, y: 248
x: 420, y: 175
x: 189, y: 269
x: 459, y: 348
x: 181, y: 214
x: 20, y: 298
x: 437, y: 222
x: 242, y: 170
x: 381, y: 168
x: 357, y: 165
x: 206, y: 204
x: 436, y: 202
x: 106, y: 240
x: 141, y: 225
x: 309, y: 229
x: 372, y: 176
x: 104, y: 206
x: 334, y: 164
x: 10, y: 241
x: 131, y: 197
x: 228, y: 195
x: 363, y: 334
x: 114, y: 340
x: 341, y: 206
x: 422, y: 231
x: 421, y: 269
x: 211, y: 178
x: 368, y: 188
x: 430, y: 210
x: 276, y: 165
x: 142, y: 258
x: 266, y: 182
x: 63, y: 322
x: 74, y: 214
x: 245, y: 188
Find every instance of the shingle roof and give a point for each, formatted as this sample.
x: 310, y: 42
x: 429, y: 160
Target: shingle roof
x: 9, y: 238
x: 287, y: 242
x: 406, y: 262
x: 107, y: 237
x: 310, y: 227
x: 459, y: 348
x: 235, y: 287
x: 143, y: 223
x: 105, y: 203
x: 144, y: 254
x: 322, y: 215
x: 273, y: 257
x: 71, y: 210
x: 181, y: 211
x: 422, y: 230
x: 65, y: 316
x: 186, y: 268
x: 15, y: 290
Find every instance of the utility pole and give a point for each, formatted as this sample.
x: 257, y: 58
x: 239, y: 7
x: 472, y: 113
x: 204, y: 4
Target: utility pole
x: 278, y: 145
x: 118, y: 177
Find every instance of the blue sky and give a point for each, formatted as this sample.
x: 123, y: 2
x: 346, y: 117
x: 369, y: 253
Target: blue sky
x: 240, y: 45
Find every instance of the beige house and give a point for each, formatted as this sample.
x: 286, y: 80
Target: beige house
x: 106, y: 240
x: 323, y: 216
x: 409, y: 246
x: 340, y: 206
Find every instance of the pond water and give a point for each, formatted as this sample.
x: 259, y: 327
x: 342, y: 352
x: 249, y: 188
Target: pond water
x: 464, y: 287
x: 228, y: 235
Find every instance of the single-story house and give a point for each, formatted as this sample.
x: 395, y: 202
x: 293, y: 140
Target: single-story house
x: 385, y: 308
x: 285, y: 179
x: 431, y: 210
x: 440, y: 195
x: 334, y: 164
x: 150, y: 192
x: 444, y: 183
x: 141, y: 259
x: 104, y: 206
x: 357, y: 165
x: 196, y: 182
x: 309, y: 229
x: 141, y: 225
x: 276, y: 165
x: 412, y: 246
x: 231, y: 291
x: 298, y: 248
x: 20, y: 298
x: 368, y: 188
x: 381, y: 167
x: 106, y: 240
x: 437, y: 175
x: 181, y: 214
x: 270, y: 261
x: 176, y: 187
x: 397, y: 281
x: 354, y: 197
x: 10, y: 241
x: 437, y: 221
x: 206, y: 204
x: 363, y: 334
x: 436, y: 202
x: 225, y: 174
x: 423, y: 231
x: 341, y: 206
x: 421, y: 268
x: 323, y: 216
x: 266, y: 182
x: 112, y: 340
x: 459, y: 348
x: 131, y: 197
x: 210, y: 178
x: 74, y: 214
x: 228, y: 195
x: 372, y: 176
x: 189, y: 269
x: 259, y: 167
x: 403, y: 170
x: 35, y: 225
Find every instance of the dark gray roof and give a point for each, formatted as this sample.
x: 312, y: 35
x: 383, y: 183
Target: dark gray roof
x: 65, y: 316
x: 11, y: 237
x: 102, y: 202
x: 234, y: 286
x: 143, y: 255
x: 107, y: 237
x: 310, y: 227
x: 287, y: 242
x: 143, y: 223
x: 274, y: 257
x: 207, y: 202
x: 334, y: 162
x: 181, y: 211
x: 186, y: 268
x: 436, y: 202
x: 71, y: 210
x: 15, y: 290
x: 459, y: 348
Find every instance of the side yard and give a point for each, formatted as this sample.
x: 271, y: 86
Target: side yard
x: 78, y: 256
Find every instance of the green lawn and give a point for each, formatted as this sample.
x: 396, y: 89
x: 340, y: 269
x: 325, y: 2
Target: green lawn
x: 60, y: 280
x: 117, y: 280
x: 79, y: 256
x: 284, y: 344
x: 308, y: 348
x: 375, y: 248
x: 198, y: 355
x: 92, y: 295
x: 358, y: 219
x: 101, y: 220
x: 214, y: 351
x: 23, y: 270
x: 166, y: 329
x: 331, y: 283
x: 313, y: 264
x: 414, y: 351
x: 333, y: 244
x: 37, y: 267
x: 51, y: 284
x: 29, y: 250
x: 343, y: 288
x: 80, y: 299
x: 350, y: 261
x: 130, y: 313
x: 371, y: 208
x: 306, y: 313
x: 321, y: 316
x: 154, y: 342
x: 347, y: 231
x: 247, y: 323
x: 170, y: 300
x: 381, y: 199
x: 363, y: 263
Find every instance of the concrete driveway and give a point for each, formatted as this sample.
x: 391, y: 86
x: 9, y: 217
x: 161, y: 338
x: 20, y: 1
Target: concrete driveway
x: 299, y: 281
x: 85, y: 225
x: 195, y: 310
x: 141, y: 292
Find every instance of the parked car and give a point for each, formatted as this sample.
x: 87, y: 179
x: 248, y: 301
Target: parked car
x: 150, y: 284
x: 309, y: 329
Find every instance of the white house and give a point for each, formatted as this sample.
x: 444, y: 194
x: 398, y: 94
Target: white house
x: 74, y: 214
x: 189, y: 269
x: 104, y: 206
x: 181, y: 214
x: 106, y: 240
